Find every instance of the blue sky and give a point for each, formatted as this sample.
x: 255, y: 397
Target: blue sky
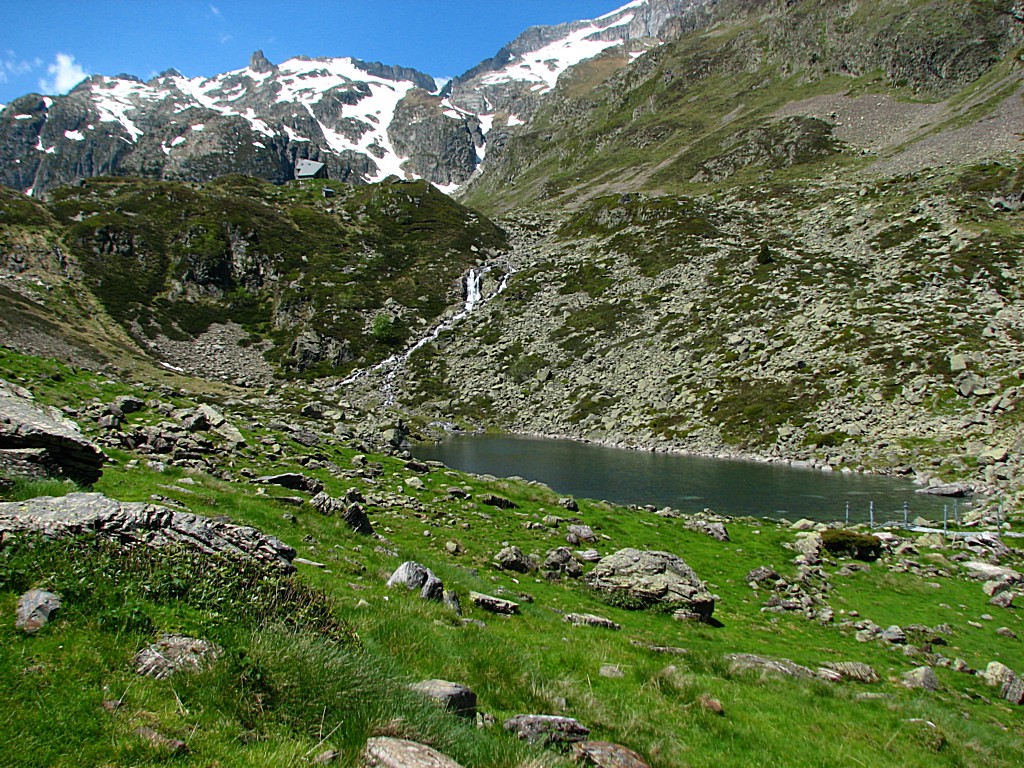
x: 48, y: 45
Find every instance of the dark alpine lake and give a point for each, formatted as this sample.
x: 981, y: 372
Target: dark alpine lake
x: 686, y: 483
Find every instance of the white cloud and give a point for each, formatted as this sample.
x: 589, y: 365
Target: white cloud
x: 215, y: 10
x: 65, y: 73
x: 12, y: 66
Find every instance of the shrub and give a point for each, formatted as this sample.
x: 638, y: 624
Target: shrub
x: 844, y: 543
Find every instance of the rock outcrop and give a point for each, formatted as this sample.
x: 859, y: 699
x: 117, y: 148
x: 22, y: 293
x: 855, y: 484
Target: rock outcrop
x: 35, y: 439
x: 139, y: 523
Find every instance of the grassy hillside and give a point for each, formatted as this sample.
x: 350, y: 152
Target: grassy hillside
x: 320, y: 660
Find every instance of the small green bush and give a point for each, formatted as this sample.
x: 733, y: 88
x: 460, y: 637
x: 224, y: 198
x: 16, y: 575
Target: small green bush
x: 844, y: 543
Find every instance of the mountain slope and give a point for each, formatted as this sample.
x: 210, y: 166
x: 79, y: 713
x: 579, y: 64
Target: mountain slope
x: 315, y: 283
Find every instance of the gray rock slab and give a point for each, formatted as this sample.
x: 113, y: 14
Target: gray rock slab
x: 590, y: 620
x: 133, y: 523
x: 494, y: 604
x: 604, y: 754
x: 26, y: 424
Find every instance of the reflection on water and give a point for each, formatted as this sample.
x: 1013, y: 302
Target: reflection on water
x: 687, y: 483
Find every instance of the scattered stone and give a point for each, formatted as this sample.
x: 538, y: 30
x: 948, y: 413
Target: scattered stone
x: 172, y: 654
x: 452, y: 696
x: 638, y: 579
x: 494, y: 604
x: 547, y: 729
x: 591, y: 620
x: 611, y: 671
x: 326, y: 757
x: 386, y: 752
x: 175, y: 746
x: 1006, y: 632
x: 514, y: 559
x: 604, y: 754
x: 35, y: 608
x: 560, y: 563
x: 352, y: 513
x: 412, y: 575
x: 569, y: 503
x: 1010, y: 684
x: 893, y: 634
x: 714, y: 530
x: 451, y: 600
x: 133, y: 523
x: 921, y: 677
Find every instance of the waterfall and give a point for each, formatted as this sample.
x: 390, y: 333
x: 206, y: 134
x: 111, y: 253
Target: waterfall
x: 473, y: 289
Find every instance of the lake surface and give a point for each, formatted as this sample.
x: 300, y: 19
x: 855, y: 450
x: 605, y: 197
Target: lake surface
x: 686, y: 483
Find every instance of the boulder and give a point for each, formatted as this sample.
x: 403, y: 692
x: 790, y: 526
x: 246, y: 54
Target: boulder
x: 514, y: 559
x: 412, y: 575
x: 33, y: 436
x: 500, y: 502
x: 134, y: 523
x: 954, y: 490
x: 547, y: 729
x: 386, y: 752
x: 174, y: 654
x: 637, y: 578
x: 1010, y: 684
x: 603, y: 754
x: 35, y: 608
x: 452, y: 696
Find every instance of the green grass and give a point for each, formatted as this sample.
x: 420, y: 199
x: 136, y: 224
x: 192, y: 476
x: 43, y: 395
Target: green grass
x: 322, y: 659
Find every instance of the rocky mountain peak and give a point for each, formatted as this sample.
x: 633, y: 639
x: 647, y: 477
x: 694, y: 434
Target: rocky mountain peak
x: 259, y: 63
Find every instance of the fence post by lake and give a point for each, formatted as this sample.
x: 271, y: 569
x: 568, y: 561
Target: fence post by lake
x: 871, y: 514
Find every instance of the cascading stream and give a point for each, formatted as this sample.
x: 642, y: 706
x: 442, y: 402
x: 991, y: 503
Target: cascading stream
x: 390, y: 367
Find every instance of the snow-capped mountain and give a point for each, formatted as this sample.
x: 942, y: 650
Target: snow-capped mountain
x: 363, y: 121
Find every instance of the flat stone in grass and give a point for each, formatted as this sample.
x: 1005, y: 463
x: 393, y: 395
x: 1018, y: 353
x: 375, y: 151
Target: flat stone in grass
x: 603, y: 754
x: 853, y: 670
x: 386, y: 752
x: 749, y: 662
x: 173, y: 654
x: 454, y: 697
x: 494, y: 604
x: 35, y: 608
x: 591, y: 620
x: 547, y: 729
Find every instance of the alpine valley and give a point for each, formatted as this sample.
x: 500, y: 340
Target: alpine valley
x: 784, y: 230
